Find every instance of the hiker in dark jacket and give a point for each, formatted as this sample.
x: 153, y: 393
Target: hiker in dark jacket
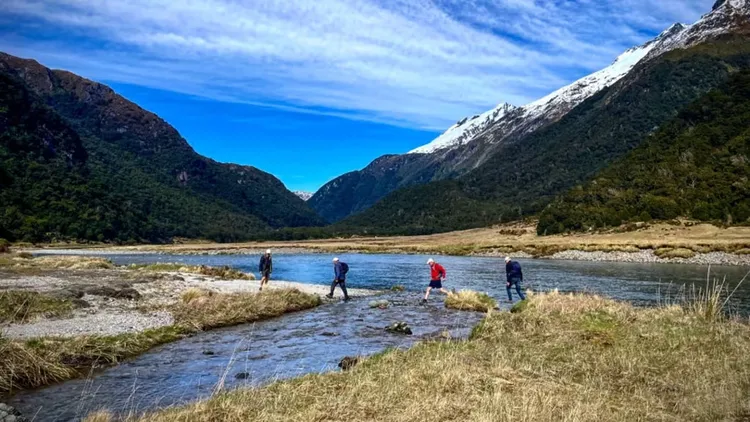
x: 265, y: 268
x: 514, y: 276
x: 339, y: 277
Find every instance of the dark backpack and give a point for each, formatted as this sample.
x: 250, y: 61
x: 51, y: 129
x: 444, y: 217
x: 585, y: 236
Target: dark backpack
x: 344, y: 268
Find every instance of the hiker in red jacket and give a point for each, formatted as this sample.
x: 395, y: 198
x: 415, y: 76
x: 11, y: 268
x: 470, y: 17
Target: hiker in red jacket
x: 437, y: 275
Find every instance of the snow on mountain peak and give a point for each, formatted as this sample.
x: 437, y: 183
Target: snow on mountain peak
x: 726, y: 16
x: 303, y: 195
x: 465, y: 129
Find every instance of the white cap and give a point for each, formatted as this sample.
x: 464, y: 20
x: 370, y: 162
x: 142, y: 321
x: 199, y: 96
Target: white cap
x: 335, y: 260
x: 507, y: 258
x: 430, y: 261
x: 268, y: 251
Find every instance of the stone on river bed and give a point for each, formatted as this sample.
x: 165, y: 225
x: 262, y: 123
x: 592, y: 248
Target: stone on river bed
x: 348, y: 363
x: 10, y: 414
x: 399, y: 328
x: 382, y: 304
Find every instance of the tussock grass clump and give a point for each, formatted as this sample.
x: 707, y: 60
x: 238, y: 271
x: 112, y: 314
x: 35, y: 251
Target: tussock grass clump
x: 38, y: 362
x: 467, y: 300
x: 214, y: 311
x: 72, y: 262
x: 674, y: 253
x: 193, y: 293
x: 22, y: 306
x: 4, y: 246
x: 224, y: 273
x: 563, y: 357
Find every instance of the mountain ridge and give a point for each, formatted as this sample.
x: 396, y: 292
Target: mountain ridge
x: 139, y: 155
x: 470, y: 142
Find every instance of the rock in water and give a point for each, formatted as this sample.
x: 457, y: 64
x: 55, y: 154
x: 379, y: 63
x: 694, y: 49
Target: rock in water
x: 381, y: 304
x: 242, y: 376
x: 399, y: 328
x: 10, y: 414
x: 348, y: 363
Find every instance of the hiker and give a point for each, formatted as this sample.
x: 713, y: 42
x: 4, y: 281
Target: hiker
x: 339, y: 277
x: 437, y: 276
x: 266, y: 268
x: 514, y: 276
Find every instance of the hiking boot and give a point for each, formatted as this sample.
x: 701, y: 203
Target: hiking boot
x: 329, y: 296
x: 423, y: 302
x: 346, y: 299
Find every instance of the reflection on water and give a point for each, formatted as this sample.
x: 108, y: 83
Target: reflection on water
x: 315, y: 340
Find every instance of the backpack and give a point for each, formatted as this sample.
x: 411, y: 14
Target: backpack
x: 344, y: 268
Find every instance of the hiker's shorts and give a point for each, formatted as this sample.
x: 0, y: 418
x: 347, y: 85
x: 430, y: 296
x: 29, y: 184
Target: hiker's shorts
x: 436, y: 284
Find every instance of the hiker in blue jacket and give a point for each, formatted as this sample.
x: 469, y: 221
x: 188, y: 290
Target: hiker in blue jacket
x: 265, y: 268
x: 514, y: 275
x: 339, y: 277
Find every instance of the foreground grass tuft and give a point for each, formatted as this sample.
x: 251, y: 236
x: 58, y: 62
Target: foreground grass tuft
x: 22, y: 306
x: 467, y: 300
x: 39, y: 362
x: 559, y: 358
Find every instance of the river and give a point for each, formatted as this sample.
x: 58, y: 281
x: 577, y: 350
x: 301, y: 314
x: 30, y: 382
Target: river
x: 316, y: 340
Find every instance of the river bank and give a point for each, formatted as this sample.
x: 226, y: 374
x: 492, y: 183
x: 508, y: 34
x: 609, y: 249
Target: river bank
x: 64, y: 315
x: 558, y: 357
x: 680, y: 243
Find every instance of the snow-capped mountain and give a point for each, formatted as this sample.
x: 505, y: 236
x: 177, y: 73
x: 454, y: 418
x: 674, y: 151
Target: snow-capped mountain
x: 304, y: 195
x: 551, y: 107
x: 725, y: 17
x: 473, y: 141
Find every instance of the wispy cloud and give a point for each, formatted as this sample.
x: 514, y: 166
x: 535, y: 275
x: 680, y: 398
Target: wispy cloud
x: 415, y: 63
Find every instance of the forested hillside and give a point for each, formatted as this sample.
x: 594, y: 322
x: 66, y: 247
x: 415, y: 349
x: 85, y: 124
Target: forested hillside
x: 697, y: 166
x: 141, y: 178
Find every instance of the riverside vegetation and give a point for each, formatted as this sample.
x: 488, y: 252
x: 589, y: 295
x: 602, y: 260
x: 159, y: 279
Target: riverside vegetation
x: 41, y: 361
x: 556, y: 357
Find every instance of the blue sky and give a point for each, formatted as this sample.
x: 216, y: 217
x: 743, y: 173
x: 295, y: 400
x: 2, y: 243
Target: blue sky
x: 308, y: 90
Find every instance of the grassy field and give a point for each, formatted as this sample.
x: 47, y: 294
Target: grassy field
x: 557, y: 358
x: 677, y: 239
x: 38, y: 362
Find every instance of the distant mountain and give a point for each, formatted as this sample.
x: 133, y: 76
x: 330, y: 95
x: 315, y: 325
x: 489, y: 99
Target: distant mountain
x: 139, y: 179
x: 303, y: 195
x: 697, y: 165
x: 521, y: 175
x: 470, y: 142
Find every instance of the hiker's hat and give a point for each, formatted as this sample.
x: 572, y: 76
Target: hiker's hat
x: 268, y: 251
x: 507, y: 259
x: 430, y: 261
x: 335, y: 260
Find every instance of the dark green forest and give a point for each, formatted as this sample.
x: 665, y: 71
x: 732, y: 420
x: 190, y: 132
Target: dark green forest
x: 81, y: 162
x: 525, y: 176
x: 697, y: 165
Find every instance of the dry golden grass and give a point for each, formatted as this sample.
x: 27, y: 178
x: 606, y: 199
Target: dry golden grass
x: 505, y: 239
x: 65, y: 262
x: 674, y: 253
x: 22, y: 306
x: 225, y: 272
x: 467, y: 300
x: 38, y: 362
x: 561, y: 358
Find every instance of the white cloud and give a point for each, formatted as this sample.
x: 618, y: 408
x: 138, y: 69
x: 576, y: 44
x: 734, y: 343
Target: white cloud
x: 415, y: 63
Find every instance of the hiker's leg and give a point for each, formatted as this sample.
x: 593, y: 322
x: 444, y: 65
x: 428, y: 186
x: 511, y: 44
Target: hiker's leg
x: 427, y: 294
x: 520, y: 292
x: 510, y: 295
x: 333, y: 286
x: 343, y: 287
x: 443, y: 291
x: 262, y: 279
